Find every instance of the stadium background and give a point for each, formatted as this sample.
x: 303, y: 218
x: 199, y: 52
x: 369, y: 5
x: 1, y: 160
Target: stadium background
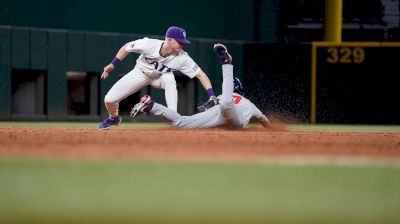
x: 53, y: 52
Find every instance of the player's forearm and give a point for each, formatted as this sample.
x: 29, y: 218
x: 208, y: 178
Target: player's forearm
x: 264, y: 121
x: 122, y: 53
x: 117, y: 59
x: 204, y: 80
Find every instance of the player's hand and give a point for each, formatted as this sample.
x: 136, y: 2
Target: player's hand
x: 107, y: 70
x: 207, y: 105
x: 215, y: 99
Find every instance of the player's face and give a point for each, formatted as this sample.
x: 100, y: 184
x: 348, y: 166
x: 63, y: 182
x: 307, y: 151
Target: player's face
x: 175, y: 46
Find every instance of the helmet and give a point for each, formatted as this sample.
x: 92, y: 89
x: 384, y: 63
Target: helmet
x: 238, y: 86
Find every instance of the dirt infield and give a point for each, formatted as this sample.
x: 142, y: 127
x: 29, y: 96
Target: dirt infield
x: 210, y: 144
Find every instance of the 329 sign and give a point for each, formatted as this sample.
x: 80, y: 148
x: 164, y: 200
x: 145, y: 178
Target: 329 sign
x: 345, y: 55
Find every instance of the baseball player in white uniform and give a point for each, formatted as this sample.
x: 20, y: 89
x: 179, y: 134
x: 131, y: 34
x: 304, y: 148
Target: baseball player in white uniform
x: 233, y: 110
x: 155, y: 66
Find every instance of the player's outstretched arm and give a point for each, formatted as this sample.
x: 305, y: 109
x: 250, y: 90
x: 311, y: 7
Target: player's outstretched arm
x: 122, y: 53
x: 205, y: 81
x: 264, y: 121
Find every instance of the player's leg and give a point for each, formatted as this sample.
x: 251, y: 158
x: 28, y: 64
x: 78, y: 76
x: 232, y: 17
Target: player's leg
x: 147, y: 105
x: 226, y: 101
x: 207, y: 119
x: 227, y: 86
x: 168, y: 83
x: 127, y: 85
x: 172, y: 116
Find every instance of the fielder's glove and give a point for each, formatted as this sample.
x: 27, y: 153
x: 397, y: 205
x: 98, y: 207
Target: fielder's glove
x: 207, y: 105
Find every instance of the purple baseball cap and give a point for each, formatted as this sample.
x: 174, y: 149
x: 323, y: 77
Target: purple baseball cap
x: 177, y: 33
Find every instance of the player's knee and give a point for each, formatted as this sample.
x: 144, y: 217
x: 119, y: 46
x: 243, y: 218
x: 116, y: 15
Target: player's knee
x: 109, y: 99
x: 225, y: 104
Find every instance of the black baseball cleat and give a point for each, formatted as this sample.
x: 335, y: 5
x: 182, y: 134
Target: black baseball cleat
x: 223, y: 54
x: 145, y: 105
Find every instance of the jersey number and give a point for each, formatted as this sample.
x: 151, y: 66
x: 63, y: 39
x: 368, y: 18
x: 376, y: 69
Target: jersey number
x: 237, y: 99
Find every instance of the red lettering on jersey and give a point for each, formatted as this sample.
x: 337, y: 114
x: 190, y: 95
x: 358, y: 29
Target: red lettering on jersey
x: 237, y: 98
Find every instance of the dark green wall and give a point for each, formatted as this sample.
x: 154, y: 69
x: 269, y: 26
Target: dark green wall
x: 5, y: 73
x: 57, y: 51
x: 222, y: 19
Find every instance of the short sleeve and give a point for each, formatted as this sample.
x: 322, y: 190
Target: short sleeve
x: 138, y: 46
x: 189, y: 67
x: 256, y: 112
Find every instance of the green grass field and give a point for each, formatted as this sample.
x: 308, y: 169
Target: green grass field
x: 74, y: 191
x: 171, y: 192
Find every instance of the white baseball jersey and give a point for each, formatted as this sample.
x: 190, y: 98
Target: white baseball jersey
x: 151, y: 69
x: 153, y: 64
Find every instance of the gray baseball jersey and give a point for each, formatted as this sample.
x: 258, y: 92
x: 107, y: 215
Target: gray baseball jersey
x: 243, y: 110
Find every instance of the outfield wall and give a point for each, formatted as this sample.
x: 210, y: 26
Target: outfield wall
x: 50, y: 74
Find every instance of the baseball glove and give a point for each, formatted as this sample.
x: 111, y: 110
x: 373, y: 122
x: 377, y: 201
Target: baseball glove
x: 212, y: 101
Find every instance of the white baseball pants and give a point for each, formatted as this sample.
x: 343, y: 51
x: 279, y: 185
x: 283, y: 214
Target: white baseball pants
x: 136, y: 80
